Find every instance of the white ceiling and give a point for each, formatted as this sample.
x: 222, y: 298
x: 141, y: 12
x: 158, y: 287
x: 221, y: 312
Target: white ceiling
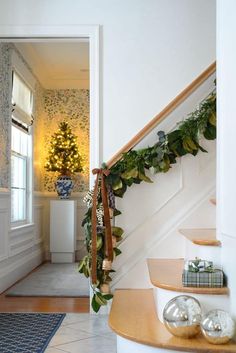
x: 58, y: 65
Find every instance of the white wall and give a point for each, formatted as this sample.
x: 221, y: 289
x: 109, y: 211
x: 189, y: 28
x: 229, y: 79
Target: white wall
x: 226, y: 54
x: 150, y: 50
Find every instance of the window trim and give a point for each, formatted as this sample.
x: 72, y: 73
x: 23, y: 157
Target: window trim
x: 29, y: 178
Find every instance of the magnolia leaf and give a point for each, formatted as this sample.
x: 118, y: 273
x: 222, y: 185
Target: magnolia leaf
x: 81, y: 265
x: 117, y: 251
x: 144, y: 177
x: 117, y: 231
x: 202, y: 149
x: 133, y: 173
x: 212, y: 119
x: 186, y: 146
x: 117, y: 184
x: 210, y: 132
x: 100, y: 299
x: 120, y: 192
x: 116, y: 212
x: 128, y: 182
x: 136, y: 181
x: 95, y: 305
x: 189, y: 143
x: 173, y: 136
x: 99, y: 242
x: 107, y: 296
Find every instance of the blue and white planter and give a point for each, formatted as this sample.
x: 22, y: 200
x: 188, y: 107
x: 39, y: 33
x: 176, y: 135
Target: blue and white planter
x: 64, y: 186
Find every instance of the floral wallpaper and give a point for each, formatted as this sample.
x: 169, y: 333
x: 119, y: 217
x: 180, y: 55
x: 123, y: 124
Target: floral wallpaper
x: 5, y: 113
x: 71, y: 105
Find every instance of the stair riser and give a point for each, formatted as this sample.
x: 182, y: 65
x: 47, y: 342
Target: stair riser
x: 208, y: 302
x: 127, y: 346
x: 211, y: 253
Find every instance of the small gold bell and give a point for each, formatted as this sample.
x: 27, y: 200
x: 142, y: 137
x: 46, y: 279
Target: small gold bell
x: 111, y: 213
x: 105, y: 288
x: 114, y: 241
x: 106, y: 265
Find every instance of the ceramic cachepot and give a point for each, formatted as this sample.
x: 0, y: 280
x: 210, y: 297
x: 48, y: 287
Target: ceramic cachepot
x: 64, y: 186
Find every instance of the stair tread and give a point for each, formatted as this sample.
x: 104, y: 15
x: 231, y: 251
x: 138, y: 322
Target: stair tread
x: 167, y: 274
x: 201, y: 236
x: 133, y: 316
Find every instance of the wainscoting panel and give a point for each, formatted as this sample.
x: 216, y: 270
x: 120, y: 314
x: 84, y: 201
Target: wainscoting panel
x: 3, y: 233
x: 18, y: 256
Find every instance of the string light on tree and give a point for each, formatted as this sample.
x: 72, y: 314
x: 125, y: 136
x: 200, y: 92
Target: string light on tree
x: 64, y: 156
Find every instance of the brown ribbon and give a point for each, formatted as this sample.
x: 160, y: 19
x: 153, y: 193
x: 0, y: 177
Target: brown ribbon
x: 101, y: 173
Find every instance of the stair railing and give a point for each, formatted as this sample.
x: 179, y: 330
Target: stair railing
x: 181, y: 97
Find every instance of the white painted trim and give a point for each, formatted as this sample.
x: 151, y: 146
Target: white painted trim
x: 127, y: 346
x: 53, y: 195
x: 69, y: 33
x: 4, y: 231
x: 174, y: 194
x: 15, y: 231
x: 18, y: 269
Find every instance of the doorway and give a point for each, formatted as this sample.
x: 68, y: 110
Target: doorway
x: 40, y: 39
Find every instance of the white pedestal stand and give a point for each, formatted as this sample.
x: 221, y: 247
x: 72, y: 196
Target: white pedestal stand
x: 63, y: 230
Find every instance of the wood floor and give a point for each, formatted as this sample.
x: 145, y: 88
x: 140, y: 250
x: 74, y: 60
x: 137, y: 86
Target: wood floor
x: 43, y: 304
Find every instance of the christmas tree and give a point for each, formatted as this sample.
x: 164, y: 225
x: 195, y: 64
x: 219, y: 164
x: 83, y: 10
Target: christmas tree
x: 64, y: 154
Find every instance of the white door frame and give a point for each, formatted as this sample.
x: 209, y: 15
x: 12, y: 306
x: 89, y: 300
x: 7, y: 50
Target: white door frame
x: 66, y: 33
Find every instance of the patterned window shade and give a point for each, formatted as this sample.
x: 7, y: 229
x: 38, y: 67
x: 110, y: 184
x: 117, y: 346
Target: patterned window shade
x: 22, y: 100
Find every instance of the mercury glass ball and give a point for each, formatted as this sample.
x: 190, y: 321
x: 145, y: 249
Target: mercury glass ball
x: 182, y: 316
x: 217, y: 327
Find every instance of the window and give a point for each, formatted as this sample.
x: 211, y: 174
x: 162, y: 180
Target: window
x: 21, y: 152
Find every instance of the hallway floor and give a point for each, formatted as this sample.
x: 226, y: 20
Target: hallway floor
x: 43, y: 304
x: 83, y: 333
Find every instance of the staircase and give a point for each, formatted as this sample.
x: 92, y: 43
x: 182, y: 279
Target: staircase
x: 136, y: 314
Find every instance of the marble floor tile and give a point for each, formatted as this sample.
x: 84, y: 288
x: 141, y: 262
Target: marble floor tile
x: 96, y: 324
x: 66, y: 335
x: 98, y: 344
x: 53, y: 350
x: 72, y: 318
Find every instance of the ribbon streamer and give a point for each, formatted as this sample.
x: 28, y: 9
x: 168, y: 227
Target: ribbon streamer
x: 101, y: 174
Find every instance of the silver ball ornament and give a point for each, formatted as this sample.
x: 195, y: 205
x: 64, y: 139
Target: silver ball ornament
x: 217, y: 327
x: 182, y: 316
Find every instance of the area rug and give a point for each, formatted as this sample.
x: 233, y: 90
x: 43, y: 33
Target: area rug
x: 52, y: 280
x: 27, y: 333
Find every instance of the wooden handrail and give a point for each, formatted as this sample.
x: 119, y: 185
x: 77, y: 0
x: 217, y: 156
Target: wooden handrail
x: 163, y: 114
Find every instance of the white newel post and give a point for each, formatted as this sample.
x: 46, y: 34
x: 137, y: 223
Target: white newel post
x: 63, y: 230
x: 226, y: 140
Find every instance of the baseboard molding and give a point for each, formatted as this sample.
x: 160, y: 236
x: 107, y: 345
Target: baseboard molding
x: 14, y: 272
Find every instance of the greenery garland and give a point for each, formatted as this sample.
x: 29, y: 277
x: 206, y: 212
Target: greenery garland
x: 131, y: 169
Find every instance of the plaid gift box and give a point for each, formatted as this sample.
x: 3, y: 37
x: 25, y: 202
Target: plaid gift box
x: 203, y: 279
x: 198, y: 265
